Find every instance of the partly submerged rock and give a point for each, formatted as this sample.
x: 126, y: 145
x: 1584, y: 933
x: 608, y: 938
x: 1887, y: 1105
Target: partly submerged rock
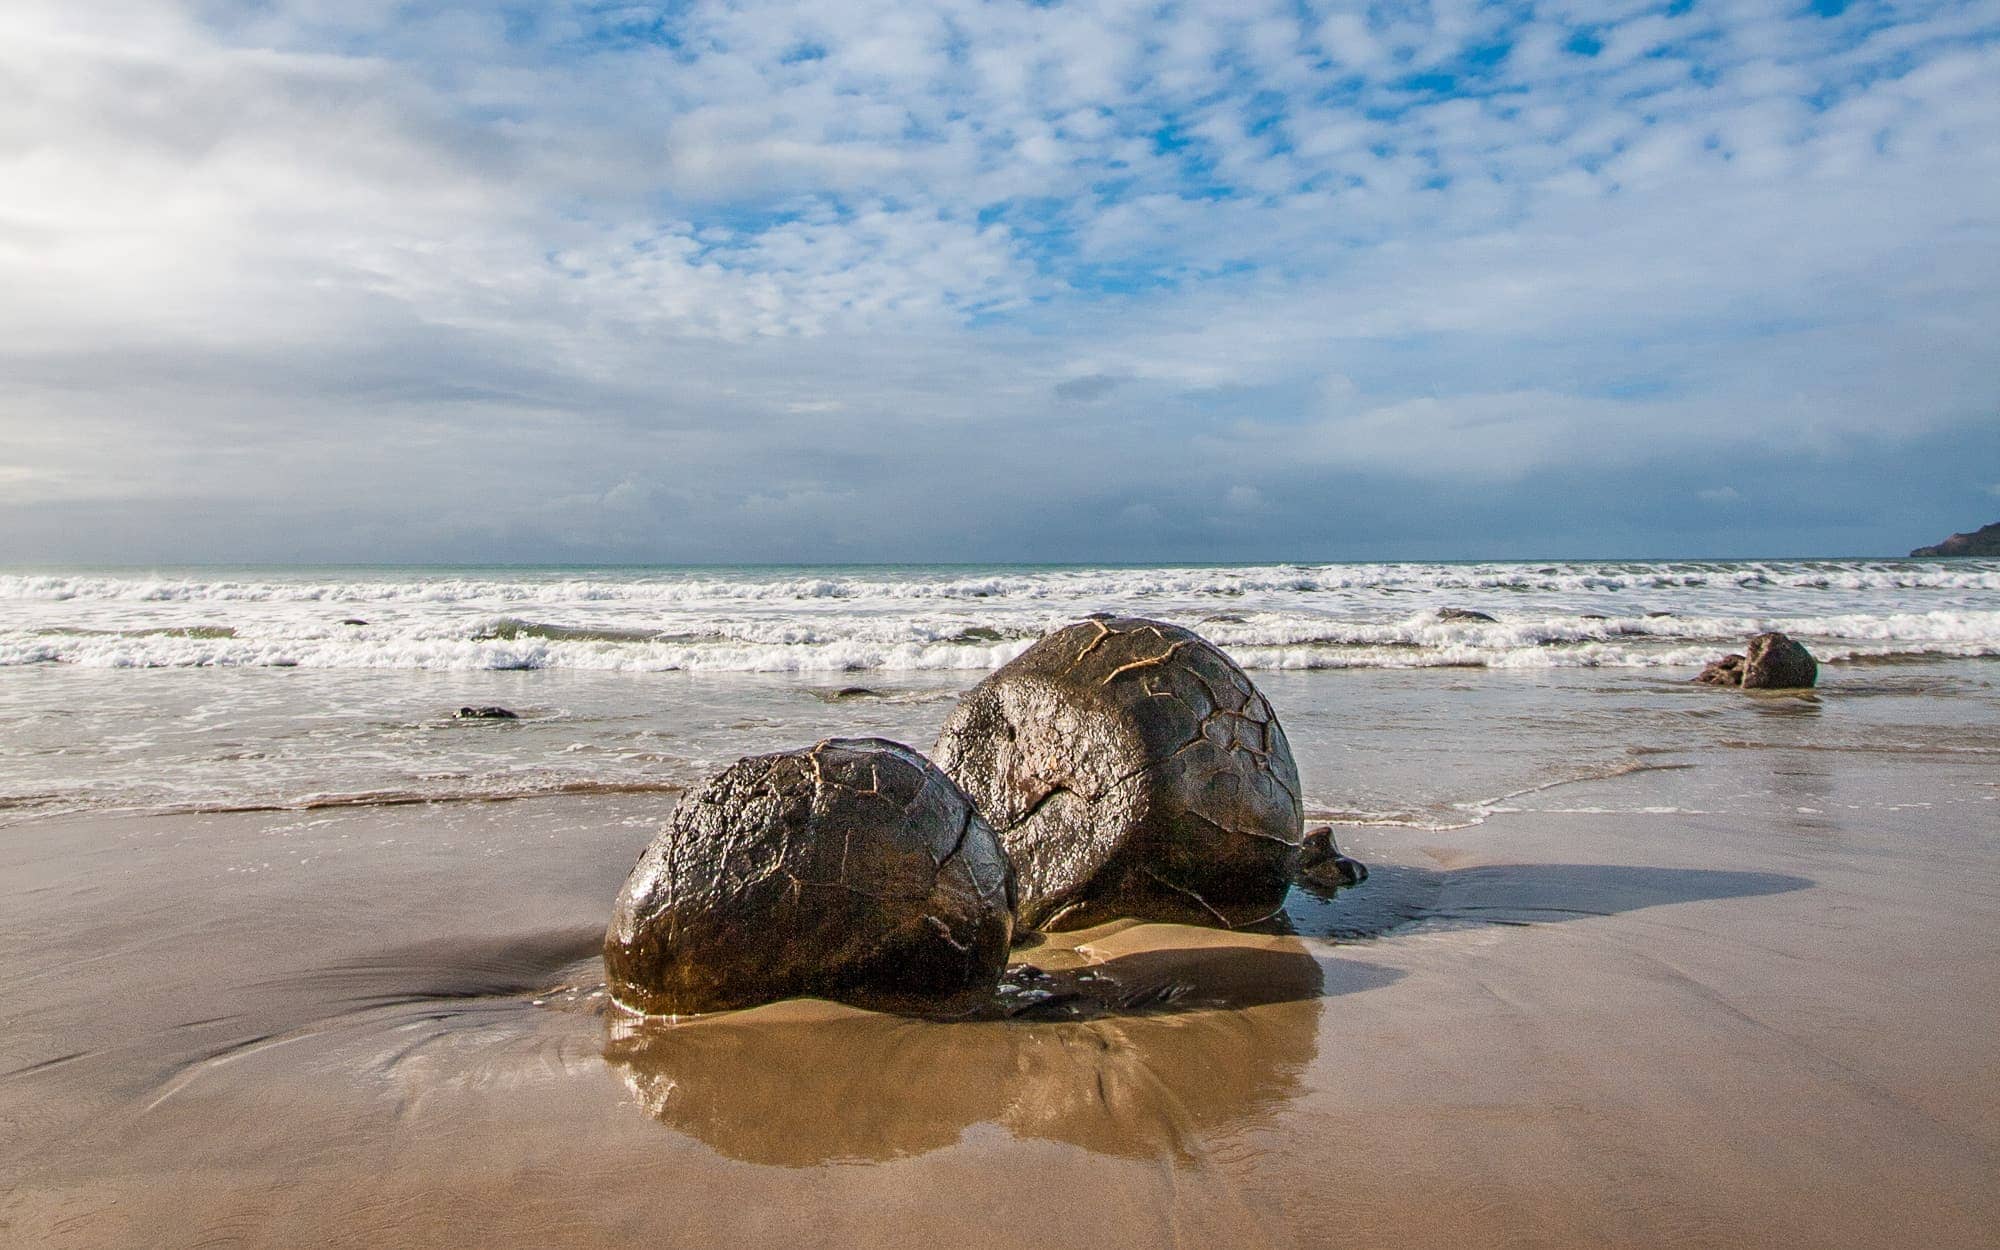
x: 486, y: 713
x: 1770, y: 661
x: 855, y: 870
x: 1775, y: 662
x: 846, y: 694
x: 1727, y: 671
x: 1130, y: 769
x: 1322, y: 864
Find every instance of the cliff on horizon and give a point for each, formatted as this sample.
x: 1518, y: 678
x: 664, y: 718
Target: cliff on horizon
x: 1984, y: 541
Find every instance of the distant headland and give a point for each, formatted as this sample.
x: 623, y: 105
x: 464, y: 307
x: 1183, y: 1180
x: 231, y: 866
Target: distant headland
x: 1984, y: 541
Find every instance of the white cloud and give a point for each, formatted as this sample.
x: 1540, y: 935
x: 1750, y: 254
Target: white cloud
x: 344, y: 249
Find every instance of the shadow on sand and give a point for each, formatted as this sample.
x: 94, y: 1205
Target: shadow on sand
x: 1511, y: 894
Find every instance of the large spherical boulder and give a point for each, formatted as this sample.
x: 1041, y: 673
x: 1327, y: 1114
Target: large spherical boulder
x: 1131, y: 769
x: 855, y: 870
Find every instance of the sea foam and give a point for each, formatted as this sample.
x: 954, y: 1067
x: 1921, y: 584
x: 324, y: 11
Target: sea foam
x: 1578, y: 614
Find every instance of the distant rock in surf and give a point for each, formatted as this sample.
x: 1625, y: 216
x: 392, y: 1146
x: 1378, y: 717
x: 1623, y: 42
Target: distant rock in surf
x: 1130, y: 769
x: 1984, y: 541
x: 1465, y: 614
x: 855, y: 870
x: 1770, y: 662
x: 486, y: 713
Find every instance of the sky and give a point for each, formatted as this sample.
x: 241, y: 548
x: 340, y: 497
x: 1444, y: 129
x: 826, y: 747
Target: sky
x: 351, y: 280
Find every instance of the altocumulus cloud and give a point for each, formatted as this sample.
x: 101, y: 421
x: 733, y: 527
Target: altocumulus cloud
x: 994, y: 280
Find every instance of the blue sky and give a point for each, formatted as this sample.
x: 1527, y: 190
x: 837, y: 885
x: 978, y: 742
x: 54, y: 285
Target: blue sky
x: 353, y: 280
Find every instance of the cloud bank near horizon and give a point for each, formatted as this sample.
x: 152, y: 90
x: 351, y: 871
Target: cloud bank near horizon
x: 373, y: 280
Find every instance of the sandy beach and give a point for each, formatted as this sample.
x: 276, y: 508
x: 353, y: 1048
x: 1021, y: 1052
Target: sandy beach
x: 1744, y: 996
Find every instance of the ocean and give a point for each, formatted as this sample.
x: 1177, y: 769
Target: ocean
x: 290, y: 954
x: 216, y: 688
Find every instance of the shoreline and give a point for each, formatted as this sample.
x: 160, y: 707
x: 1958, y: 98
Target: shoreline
x: 1640, y: 1023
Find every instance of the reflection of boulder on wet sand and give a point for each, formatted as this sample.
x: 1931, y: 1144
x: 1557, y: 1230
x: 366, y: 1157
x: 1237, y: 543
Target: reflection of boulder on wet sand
x: 1174, y: 1033
x: 1130, y: 769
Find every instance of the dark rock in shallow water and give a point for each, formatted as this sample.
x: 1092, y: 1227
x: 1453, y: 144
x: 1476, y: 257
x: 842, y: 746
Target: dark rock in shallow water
x: 487, y: 713
x: 1775, y: 662
x: 1984, y: 541
x: 1464, y: 614
x: 1727, y: 671
x: 1770, y: 661
x: 1131, y: 769
x: 1322, y: 864
x: 855, y: 870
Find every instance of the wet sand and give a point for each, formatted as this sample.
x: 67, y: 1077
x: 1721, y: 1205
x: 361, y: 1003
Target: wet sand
x: 1753, y: 1000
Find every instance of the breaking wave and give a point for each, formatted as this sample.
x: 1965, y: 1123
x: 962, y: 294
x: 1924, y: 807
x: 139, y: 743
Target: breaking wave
x: 1594, y: 614
x: 693, y: 587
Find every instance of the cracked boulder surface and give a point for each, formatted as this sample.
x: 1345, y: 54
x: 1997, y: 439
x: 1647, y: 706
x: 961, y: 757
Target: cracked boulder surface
x: 854, y: 870
x: 1130, y: 769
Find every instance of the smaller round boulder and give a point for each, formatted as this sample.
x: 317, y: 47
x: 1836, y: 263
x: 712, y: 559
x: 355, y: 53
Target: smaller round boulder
x: 854, y: 870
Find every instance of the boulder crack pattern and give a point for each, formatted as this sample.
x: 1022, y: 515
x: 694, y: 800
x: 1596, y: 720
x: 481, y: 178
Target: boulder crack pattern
x: 1183, y: 800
